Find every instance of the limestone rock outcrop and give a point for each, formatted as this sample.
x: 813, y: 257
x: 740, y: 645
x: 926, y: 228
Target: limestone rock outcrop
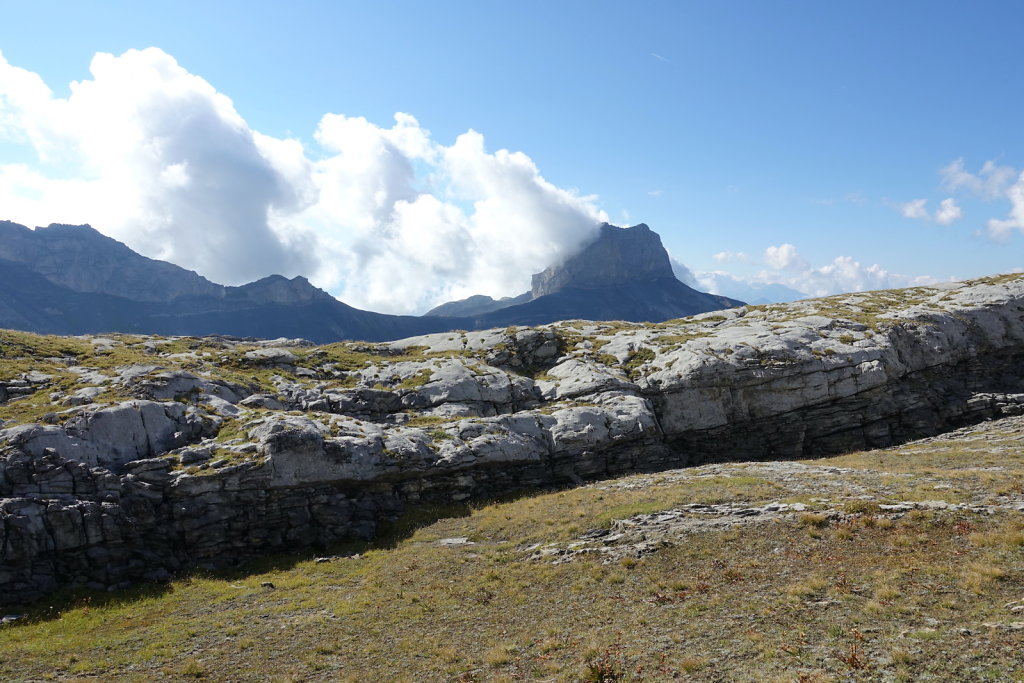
x: 208, y: 451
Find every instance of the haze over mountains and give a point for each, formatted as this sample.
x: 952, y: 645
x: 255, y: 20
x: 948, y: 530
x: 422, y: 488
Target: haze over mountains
x: 66, y: 279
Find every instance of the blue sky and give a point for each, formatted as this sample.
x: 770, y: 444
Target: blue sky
x: 729, y: 127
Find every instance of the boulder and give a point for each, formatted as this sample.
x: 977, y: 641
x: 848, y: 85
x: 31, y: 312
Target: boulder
x: 115, y: 435
x: 271, y: 357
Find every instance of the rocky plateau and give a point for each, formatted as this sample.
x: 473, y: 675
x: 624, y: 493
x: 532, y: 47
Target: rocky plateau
x: 128, y: 458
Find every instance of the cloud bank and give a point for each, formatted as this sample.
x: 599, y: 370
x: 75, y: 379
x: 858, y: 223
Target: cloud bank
x: 786, y: 275
x: 384, y: 218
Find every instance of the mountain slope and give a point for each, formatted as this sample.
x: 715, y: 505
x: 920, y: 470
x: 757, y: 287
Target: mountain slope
x: 649, y: 301
x: 28, y: 301
x: 842, y: 591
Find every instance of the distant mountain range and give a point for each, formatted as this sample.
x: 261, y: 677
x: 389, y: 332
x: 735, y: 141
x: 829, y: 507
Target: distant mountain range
x: 66, y: 279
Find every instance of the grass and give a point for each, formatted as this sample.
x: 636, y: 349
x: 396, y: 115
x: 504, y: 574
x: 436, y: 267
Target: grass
x: 421, y: 378
x: 670, y: 342
x: 418, y: 612
x: 14, y: 344
x: 856, y: 596
x: 995, y: 279
x: 427, y: 420
x: 637, y: 359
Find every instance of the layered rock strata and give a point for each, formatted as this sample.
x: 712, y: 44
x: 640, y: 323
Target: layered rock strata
x: 129, y: 458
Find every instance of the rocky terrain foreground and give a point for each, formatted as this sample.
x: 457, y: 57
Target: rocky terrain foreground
x: 129, y: 458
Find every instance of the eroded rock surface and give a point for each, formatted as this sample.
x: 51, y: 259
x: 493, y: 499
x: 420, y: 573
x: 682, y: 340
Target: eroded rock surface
x: 127, y: 458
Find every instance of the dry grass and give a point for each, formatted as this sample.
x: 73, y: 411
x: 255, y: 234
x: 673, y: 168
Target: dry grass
x: 861, y: 597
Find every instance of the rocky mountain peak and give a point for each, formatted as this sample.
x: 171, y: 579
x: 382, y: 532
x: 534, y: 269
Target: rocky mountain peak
x: 618, y: 255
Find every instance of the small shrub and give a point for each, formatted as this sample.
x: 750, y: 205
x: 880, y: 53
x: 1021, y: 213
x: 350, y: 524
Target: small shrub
x: 637, y: 358
x: 814, y: 520
x: 605, y: 669
x: 692, y: 664
x: 499, y: 656
x: 978, y: 575
x: 813, y: 586
x: 418, y: 380
x: 439, y: 435
x: 861, y: 507
x: 854, y: 657
x: 192, y: 668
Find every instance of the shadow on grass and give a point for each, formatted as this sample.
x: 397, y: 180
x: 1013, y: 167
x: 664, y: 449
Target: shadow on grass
x: 390, y: 533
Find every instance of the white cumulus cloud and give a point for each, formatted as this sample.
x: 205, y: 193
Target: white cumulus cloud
x: 991, y: 181
x: 384, y: 217
x: 155, y: 157
x: 784, y: 257
x: 947, y: 213
x: 915, y: 209
x: 684, y: 273
x: 1001, y: 229
x: 727, y: 256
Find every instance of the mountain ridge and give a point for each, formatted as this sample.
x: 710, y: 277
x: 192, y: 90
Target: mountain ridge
x: 65, y: 279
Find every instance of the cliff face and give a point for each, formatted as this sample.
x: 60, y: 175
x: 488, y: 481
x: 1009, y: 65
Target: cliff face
x: 83, y: 260
x: 618, y: 255
x: 206, y: 465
